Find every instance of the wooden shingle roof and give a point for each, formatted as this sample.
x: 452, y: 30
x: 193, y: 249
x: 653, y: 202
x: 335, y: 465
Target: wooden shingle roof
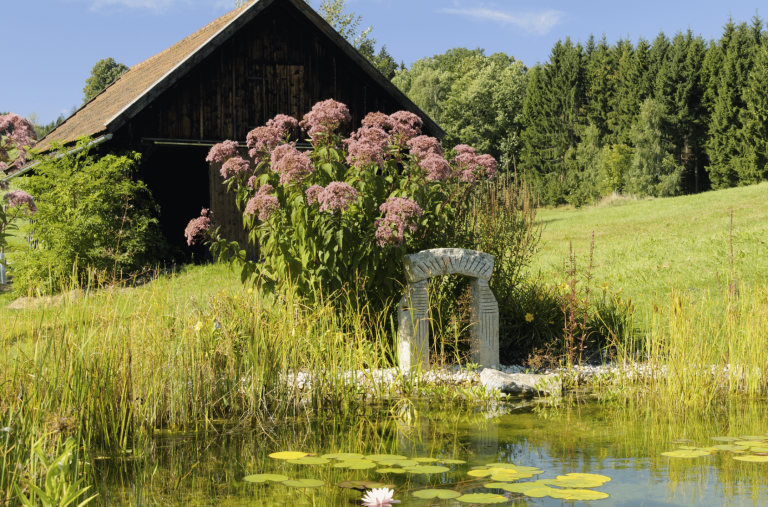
x: 145, y: 81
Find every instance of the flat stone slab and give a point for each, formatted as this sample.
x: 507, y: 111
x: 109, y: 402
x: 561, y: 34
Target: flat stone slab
x: 519, y: 383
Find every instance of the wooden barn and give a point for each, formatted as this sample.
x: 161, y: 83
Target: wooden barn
x: 266, y: 58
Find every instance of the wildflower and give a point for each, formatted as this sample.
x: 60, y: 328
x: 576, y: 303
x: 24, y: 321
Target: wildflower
x: 283, y: 122
x: 605, y: 286
x: 325, y: 118
x: 529, y: 317
x: 198, y: 326
x: 488, y: 163
x: 468, y: 177
x: 235, y: 166
x: 22, y: 136
x: 400, y: 214
x: 292, y: 165
x: 422, y: 146
x: 406, y: 125
x: 198, y: 226
x: 378, y: 120
x: 252, y: 182
x: 262, y: 203
x: 250, y: 291
x: 379, y: 497
x: 337, y: 196
x: 19, y: 198
x: 222, y: 152
x: 313, y: 193
x: 262, y: 140
x: 437, y: 167
x: 367, y: 145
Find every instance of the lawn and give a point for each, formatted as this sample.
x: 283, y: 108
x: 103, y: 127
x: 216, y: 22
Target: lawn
x: 648, y: 248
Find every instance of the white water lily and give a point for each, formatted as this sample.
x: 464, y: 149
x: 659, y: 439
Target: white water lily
x: 379, y: 497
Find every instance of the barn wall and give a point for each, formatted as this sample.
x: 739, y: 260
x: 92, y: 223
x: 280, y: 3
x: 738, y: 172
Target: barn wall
x: 278, y: 63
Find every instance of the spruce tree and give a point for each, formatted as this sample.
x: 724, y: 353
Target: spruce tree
x: 600, y: 69
x: 725, y: 125
x: 752, y: 161
x: 631, y: 89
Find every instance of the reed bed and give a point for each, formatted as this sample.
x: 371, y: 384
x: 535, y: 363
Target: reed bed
x: 698, y: 350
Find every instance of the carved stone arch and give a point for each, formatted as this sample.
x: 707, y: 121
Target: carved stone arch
x: 413, y: 336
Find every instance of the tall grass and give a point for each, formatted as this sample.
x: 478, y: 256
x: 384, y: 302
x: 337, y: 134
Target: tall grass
x: 698, y: 350
x: 109, y: 366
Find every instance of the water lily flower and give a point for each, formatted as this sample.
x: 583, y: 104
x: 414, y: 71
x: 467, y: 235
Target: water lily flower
x: 379, y: 497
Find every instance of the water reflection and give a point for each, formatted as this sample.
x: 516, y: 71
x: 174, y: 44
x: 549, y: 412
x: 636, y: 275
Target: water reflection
x: 621, y: 440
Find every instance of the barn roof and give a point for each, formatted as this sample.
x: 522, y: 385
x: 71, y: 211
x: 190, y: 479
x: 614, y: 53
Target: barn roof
x: 145, y: 81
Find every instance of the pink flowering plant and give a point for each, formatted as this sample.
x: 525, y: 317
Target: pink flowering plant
x: 348, y: 209
x: 17, y: 136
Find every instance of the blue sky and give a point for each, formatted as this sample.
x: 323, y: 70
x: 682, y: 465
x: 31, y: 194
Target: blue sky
x: 53, y: 44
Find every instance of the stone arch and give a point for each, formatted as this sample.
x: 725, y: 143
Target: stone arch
x: 413, y: 311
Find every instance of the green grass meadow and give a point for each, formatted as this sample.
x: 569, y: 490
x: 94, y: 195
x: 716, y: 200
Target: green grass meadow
x: 648, y: 249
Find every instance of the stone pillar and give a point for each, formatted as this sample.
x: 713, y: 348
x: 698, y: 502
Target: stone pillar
x: 413, y: 336
x: 484, y: 324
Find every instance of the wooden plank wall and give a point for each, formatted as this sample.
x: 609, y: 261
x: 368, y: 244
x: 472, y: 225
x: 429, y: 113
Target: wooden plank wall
x: 278, y: 63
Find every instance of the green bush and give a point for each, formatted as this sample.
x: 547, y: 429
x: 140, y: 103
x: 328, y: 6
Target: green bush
x: 92, y: 217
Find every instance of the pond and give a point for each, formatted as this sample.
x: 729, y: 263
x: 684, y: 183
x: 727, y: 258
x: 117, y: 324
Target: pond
x: 622, y: 440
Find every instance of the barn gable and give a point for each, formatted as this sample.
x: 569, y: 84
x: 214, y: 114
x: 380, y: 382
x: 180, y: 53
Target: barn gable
x: 270, y: 57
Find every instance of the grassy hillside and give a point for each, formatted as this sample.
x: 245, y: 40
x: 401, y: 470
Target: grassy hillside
x: 647, y: 248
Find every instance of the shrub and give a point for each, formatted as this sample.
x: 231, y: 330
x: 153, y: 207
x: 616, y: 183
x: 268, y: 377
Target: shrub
x: 348, y: 210
x: 92, y: 215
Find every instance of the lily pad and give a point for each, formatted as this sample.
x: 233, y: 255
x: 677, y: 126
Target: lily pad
x: 424, y: 460
x: 363, y: 485
x: 685, y: 454
x: 509, y: 477
x: 482, y: 498
x: 309, y: 461
x: 545, y: 491
x: 288, y: 455
x: 759, y: 449
x: 574, y: 482
x: 343, y: 455
x: 399, y: 462
x: 752, y: 459
x: 517, y: 468
x: 262, y: 478
x: 391, y: 471
x: 443, y: 494
x: 750, y: 443
x: 520, y: 487
x: 729, y: 447
x: 360, y: 464
x: 592, y: 477
x: 753, y: 437
x: 681, y: 441
x: 379, y: 457
x: 585, y: 494
x: 725, y: 439
x: 452, y: 461
x: 427, y: 470
x: 487, y: 472
x: 304, y: 483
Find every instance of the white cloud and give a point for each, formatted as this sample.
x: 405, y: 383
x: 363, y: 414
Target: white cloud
x: 541, y: 22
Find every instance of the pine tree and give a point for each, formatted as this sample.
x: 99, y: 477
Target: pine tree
x: 752, y: 161
x: 656, y: 59
x: 725, y: 125
x: 600, y: 69
x: 631, y: 89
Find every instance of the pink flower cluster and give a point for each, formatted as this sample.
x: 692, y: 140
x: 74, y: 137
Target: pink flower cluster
x: 470, y: 164
x: 399, y: 214
x: 406, y: 125
x: 235, y: 166
x: 291, y: 164
x: 313, y: 194
x: 222, y: 152
x: 198, y: 226
x: 19, y: 134
x: 436, y: 167
x: 422, y: 146
x: 19, y: 198
x: 325, y: 118
x: 263, y: 140
x: 367, y: 145
x: 378, y: 121
x: 263, y: 203
x: 337, y: 196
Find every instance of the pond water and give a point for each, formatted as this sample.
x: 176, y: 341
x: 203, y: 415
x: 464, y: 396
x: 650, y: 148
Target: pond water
x: 620, y: 440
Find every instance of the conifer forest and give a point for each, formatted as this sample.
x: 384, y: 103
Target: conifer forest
x: 670, y: 116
